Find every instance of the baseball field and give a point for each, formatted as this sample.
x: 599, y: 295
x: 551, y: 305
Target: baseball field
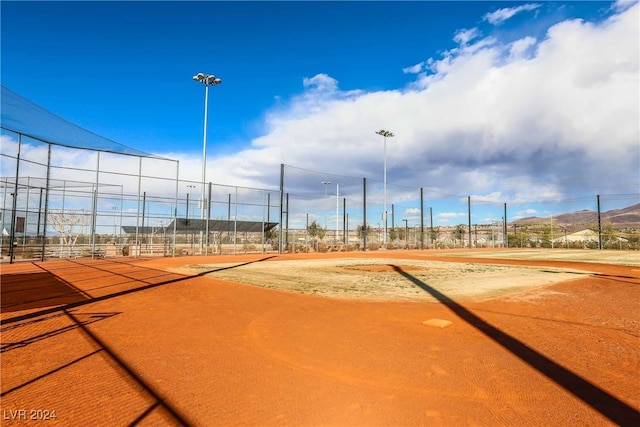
x: 385, y: 338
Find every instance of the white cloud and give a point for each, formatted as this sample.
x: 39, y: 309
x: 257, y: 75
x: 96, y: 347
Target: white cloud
x: 622, y: 5
x: 414, y: 69
x: 464, y: 36
x: 501, y: 15
x: 529, y: 120
x: 493, y: 197
x: 520, y: 48
x: 453, y: 215
x: 449, y: 217
x: 412, y: 212
x: 321, y: 82
x: 560, y: 113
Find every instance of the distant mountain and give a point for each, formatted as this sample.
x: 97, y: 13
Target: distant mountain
x: 626, y: 217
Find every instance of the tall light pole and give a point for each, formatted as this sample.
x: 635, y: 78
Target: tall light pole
x: 207, y: 80
x: 385, y: 134
x: 326, y: 195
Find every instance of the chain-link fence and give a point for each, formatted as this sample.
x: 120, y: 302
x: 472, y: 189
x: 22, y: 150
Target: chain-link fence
x: 119, y: 204
x: 66, y: 192
x: 324, y: 212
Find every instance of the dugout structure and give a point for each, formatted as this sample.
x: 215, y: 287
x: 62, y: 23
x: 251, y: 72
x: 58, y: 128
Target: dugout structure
x: 68, y: 192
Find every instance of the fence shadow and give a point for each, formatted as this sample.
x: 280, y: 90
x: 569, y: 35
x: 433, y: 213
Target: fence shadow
x: 609, y: 406
x: 20, y: 299
x: 159, y: 403
x: 22, y: 334
x: 25, y: 291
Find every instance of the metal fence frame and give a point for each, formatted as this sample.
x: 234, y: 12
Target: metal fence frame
x: 120, y: 213
x: 474, y: 221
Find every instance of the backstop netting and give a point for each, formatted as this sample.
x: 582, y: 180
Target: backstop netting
x: 67, y: 192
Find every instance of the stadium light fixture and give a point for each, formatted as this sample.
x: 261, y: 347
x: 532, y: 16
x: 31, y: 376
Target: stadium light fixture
x: 207, y: 80
x: 385, y: 134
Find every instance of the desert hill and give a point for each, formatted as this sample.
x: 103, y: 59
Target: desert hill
x: 625, y: 217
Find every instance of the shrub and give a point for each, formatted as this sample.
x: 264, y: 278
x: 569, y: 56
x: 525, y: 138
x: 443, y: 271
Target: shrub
x: 28, y: 253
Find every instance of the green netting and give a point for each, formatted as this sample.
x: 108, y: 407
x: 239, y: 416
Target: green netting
x: 27, y: 118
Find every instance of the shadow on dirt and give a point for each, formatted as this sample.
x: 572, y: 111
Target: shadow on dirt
x: 203, y: 273
x: 158, y: 401
x: 46, y: 289
x: 36, y: 290
x: 22, y: 334
x: 25, y: 295
x: 615, y: 410
x: 28, y: 291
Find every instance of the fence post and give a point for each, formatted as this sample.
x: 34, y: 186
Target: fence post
x: 504, y: 228
x: 364, y: 210
x: 206, y: 239
x: 421, y: 218
x: 14, y: 203
x: 599, y: 224
x: 286, y: 236
x: 344, y: 221
x: 469, y: 211
x: 393, y: 216
x: 281, y: 206
x: 431, y: 225
x: 46, y: 201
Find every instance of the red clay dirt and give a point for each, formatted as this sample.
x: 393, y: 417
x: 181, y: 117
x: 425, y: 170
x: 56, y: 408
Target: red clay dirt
x: 127, y: 341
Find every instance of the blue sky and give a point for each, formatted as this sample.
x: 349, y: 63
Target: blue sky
x: 511, y: 101
x: 123, y: 69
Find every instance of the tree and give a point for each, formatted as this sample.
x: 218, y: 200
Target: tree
x: 70, y: 224
x: 362, y: 230
x: 316, y: 231
x: 544, y: 232
x: 459, y: 232
x: 155, y: 230
x: 270, y: 235
x: 434, y: 233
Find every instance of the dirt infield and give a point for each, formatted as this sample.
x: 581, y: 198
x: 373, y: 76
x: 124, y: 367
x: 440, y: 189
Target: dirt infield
x: 379, y: 278
x: 324, y: 339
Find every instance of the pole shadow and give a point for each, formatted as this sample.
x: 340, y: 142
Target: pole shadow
x: 202, y: 273
x: 606, y: 404
x: 159, y: 401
